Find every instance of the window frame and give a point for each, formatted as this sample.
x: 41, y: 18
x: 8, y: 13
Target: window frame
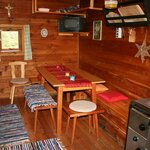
x: 20, y: 29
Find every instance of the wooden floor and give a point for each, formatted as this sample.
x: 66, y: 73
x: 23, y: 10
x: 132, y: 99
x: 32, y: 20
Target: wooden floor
x: 83, y: 139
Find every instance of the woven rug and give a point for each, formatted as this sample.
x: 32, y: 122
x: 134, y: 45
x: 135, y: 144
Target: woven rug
x: 12, y: 130
x: 49, y: 144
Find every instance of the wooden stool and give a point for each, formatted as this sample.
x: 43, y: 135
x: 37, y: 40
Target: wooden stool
x: 82, y: 108
x: 38, y: 98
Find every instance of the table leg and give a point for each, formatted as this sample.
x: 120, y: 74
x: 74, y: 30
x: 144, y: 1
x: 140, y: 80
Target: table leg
x: 42, y: 80
x: 94, y: 93
x: 59, y: 110
x: 68, y: 96
x: 93, y: 99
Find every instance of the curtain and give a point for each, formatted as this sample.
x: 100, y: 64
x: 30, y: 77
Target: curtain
x: 27, y: 43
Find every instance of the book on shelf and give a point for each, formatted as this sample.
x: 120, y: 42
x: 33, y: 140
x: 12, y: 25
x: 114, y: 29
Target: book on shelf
x: 131, y: 11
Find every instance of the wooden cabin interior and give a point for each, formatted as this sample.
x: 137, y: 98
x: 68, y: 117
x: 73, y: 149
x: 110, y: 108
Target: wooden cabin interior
x: 111, y: 58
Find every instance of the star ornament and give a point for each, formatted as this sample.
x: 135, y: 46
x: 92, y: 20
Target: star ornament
x: 142, y: 50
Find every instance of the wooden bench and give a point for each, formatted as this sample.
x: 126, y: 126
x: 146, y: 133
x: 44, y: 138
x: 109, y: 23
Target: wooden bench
x: 38, y: 98
x: 114, y: 119
x: 49, y: 88
x: 83, y: 94
x: 115, y: 116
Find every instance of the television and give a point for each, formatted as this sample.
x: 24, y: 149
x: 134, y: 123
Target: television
x: 70, y: 24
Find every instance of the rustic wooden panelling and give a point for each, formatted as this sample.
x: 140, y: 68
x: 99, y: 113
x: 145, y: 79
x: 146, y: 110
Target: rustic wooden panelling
x: 51, y: 50
x: 54, y: 5
x: 23, y: 8
x: 114, y: 119
x: 113, y: 59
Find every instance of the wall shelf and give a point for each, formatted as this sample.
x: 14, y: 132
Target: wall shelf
x: 73, y: 33
x: 76, y: 12
x: 87, y: 8
x: 61, y: 13
x: 35, y: 9
x: 114, y: 21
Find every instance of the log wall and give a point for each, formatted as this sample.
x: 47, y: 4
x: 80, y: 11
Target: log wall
x: 53, y: 49
x: 113, y: 59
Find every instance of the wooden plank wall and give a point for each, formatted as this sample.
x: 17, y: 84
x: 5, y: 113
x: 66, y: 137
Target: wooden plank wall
x: 113, y: 59
x: 53, y: 49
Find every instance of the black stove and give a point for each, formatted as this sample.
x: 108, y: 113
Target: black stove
x: 138, y: 129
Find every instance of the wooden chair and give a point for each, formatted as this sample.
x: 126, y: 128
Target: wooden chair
x: 18, y: 77
x: 82, y: 108
x: 38, y: 98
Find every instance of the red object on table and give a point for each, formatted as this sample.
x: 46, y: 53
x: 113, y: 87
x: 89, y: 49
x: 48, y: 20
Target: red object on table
x: 59, y: 72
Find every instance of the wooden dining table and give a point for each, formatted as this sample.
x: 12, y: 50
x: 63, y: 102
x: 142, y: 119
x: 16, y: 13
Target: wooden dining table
x: 61, y: 87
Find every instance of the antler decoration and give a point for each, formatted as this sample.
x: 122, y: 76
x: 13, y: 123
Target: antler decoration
x: 143, y: 49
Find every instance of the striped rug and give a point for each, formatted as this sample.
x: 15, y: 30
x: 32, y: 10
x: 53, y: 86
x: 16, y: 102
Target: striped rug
x: 49, y: 144
x: 12, y: 130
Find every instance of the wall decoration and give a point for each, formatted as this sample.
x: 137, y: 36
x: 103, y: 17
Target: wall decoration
x: 119, y: 32
x: 143, y: 49
x: 9, y: 8
x: 97, y: 30
x: 44, y: 32
x: 132, y: 35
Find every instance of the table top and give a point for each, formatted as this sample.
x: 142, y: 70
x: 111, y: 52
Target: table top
x: 56, y: 83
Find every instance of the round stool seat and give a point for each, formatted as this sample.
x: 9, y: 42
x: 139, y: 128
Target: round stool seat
x: 82, y: 106
x: 19, y: 80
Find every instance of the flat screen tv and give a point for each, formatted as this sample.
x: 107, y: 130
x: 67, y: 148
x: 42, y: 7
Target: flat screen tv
x: 70, y: 24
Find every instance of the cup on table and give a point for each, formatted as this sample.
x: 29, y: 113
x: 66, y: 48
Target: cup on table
x: 67, y: 74
x: 72, y: 77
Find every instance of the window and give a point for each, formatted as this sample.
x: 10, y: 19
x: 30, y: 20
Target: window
x: 11, y: 38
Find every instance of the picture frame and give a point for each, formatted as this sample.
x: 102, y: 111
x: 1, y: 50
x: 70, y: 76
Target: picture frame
x: 97, y: 30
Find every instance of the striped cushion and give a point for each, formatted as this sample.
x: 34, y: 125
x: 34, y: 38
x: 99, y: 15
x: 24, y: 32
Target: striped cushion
x: 37, y: 95
x: 12, y: 129
x: 48, y: 144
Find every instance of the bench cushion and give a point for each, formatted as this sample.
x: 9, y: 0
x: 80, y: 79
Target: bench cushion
x: 112, y: 96
x: 36, y: 95
x: 19, y: 81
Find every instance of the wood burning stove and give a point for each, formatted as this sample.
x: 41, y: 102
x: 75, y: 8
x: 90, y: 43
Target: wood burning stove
x: 138, y: 129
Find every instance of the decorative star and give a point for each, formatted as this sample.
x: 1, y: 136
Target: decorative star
x: 143, y: 50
